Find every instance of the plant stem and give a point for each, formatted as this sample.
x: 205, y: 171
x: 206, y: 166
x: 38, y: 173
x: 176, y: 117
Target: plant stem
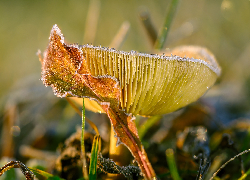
x: 84, y: 164
x: 165, y: 29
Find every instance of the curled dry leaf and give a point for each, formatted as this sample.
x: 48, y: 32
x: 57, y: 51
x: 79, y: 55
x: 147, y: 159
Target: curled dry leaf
x: 127, y: 83
x: 64, y: 69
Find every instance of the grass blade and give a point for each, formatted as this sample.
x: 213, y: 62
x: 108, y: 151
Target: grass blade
x: 165, y: 29
x: 84, y: 164
x: 45, y: 174
x: 120, y: 36
x: 244, y: 175
x: 93, y: 159
x: 172, y: 165
x: 79, y: 112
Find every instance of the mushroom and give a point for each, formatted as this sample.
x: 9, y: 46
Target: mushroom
x: 128, y: 83
x: 154, y: 84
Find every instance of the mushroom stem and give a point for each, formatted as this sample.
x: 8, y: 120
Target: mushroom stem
x: 128, y: 136
x: 119, y: 154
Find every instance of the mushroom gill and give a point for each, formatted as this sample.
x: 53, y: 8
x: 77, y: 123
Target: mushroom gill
x: 154, y: 84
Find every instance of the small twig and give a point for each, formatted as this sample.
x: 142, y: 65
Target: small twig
x: 227, y: 142
x: 199, y: 175
x: 203, y: 167
x: 18, y: 164
x: 233, y: 158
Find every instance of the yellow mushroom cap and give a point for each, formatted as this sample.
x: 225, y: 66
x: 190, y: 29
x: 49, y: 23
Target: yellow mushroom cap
x: 154, y: 84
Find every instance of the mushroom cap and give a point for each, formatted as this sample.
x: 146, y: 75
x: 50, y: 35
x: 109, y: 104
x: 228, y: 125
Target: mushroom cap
x: 154, y: 84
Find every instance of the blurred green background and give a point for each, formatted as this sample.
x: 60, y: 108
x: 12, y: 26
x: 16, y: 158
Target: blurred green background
x: 220, y: 25
x: 223, y: 26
